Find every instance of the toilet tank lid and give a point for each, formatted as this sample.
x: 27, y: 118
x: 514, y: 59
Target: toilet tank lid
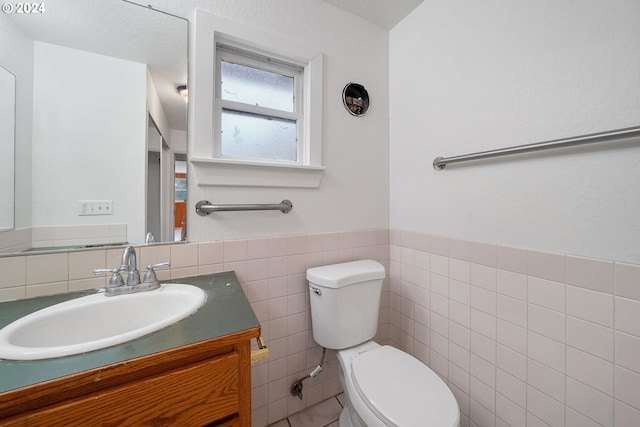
x: 346, y: 273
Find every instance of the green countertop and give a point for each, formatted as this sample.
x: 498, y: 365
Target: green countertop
x: 226, y: 311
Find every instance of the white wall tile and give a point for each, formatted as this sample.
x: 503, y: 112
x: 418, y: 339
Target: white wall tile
x: 47, y: 289
x: 11, y: 294
x: 460, y: 335
x: 481, y: 415
x: 483, y: 394
x: 439, y: 284
x: 460, y: 313
x: 589, y: 305
x: 82, y: 264
x: 459, y: 249
x: 483, y: 347
x: 512, y: 414
x: 546, y: 322
x: 463, y: 400
x: 512, y: 336
x: 590, y: 402
x: 575, y: 419
x: 626, y: 416
x: 484, y: 277
x: 483, y: 300
x: 184, y: 255
x: 210, y: 253
x: 512, y: 310
x: 460, y: 377
x: 533, y: 421
x: 460, y: 356
x: 512, y: 284
x: 13, y: 272
x: 591, y: 274
x: 511, y: 387
x: 439, y: 323
x: 234, y: 250
x: 483, y: 253
x: 483, y: 370
x: 439, y: 245
x: 544, y: 407
x: 42, y: 269
x: 590, y: 337
x: 440, y: 304
x: 626, y: 316
x: 439, y: 264
x: 460, y: 291
x: 590, y: 370
x: 512, y: 259
x: 627, y: 280
x: 546, y: 380
x: 512, y: 362
x: 627, y: 351
x: 546, y: 266
x: 439, y: 344
x: 422, y: 260
x: 546, y: 351
x: 459, y: 270
x: 483, y: 323
x: 546, y: 293
x: 627, y: 385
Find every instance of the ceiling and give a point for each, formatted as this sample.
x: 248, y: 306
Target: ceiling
x: 123, y: 30
x: 386, y: 13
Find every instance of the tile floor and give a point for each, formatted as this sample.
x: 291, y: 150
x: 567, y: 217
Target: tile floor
x: 323, y: 414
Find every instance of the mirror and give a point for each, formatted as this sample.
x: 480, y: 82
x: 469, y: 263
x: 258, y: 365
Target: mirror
x: 7, y: 145
x: 96, y: 89
x: 355, y: 99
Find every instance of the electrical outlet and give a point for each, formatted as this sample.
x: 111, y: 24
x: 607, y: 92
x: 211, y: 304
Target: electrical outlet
x: 96, y: 207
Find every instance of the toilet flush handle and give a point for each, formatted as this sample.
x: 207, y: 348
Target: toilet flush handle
x: 315, y: 290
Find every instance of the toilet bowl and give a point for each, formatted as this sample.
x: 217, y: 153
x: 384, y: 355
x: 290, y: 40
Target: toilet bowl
x: 383, y: 386
x: 388, y: 387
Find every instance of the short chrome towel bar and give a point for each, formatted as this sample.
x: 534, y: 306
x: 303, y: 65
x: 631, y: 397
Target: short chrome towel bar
x: 204, y: 207
x: 439, y: 163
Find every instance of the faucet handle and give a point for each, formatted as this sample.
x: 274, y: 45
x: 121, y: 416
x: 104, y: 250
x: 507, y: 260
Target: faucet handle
x: 150, y: 275
x: 115, y: 280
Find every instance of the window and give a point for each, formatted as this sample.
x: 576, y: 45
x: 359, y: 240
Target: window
x: 258, y: 108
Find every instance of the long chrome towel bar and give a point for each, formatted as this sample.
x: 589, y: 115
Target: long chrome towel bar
x: 439, y: 163
x: 204, y: 207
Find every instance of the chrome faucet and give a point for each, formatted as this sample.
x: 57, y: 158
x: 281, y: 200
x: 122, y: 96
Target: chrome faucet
x: 129, y: 263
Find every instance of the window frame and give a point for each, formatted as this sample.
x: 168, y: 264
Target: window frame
x: 239, y: 56
x: 209, y: 31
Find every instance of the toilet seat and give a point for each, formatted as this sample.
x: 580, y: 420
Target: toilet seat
x: 401, y: 391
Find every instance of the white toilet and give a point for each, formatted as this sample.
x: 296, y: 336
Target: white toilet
x: 383, y: 386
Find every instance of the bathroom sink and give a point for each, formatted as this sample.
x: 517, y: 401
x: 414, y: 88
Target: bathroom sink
x: 97, y: 321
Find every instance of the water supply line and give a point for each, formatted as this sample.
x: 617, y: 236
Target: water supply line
x: 296, y: 388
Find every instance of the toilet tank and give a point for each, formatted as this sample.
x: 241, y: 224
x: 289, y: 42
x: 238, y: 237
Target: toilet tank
x: 345, y: 302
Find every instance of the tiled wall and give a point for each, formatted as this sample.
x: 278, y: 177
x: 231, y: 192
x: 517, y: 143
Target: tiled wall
x: 61, y: 236
x: 272, y: 274
x: 523, y: 338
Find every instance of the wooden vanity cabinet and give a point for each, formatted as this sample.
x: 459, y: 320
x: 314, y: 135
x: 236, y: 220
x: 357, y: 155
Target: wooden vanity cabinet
x: 206, y: 383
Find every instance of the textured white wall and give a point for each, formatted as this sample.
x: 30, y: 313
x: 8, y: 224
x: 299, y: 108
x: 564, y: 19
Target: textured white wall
x: 96, y: 144
x: 353, y: 194
x: 469, y: 76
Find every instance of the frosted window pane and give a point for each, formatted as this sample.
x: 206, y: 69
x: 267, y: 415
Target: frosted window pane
x: 252, y: 136
x: 256, y: 87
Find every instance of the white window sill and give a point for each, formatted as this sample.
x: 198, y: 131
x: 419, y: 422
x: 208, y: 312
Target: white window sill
x: 242, y: 173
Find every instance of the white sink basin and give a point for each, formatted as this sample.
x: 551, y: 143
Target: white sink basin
x: 96, y: 321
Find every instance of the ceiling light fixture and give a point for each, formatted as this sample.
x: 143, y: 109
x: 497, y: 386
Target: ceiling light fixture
x: 184, y: 92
